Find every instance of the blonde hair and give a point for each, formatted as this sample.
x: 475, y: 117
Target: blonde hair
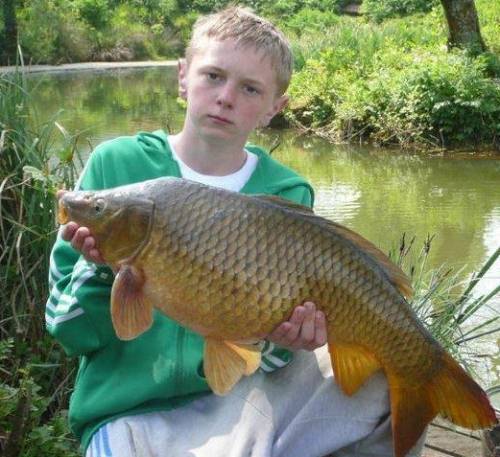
x: 246, y: 29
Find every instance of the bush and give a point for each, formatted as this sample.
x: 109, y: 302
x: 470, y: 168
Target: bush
x: 310, y: 21
x: 378, y: 10
x: 395, y: 83
x: 184, y: 25
x: 51, y: 32
x: 412, y: 98
x: 282, y: 10
x: 96, y: 13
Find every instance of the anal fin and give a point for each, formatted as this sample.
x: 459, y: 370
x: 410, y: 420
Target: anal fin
x: 225, y: 363
x: 411, y: 412
x: 352, y: 365
x: 131, y: 314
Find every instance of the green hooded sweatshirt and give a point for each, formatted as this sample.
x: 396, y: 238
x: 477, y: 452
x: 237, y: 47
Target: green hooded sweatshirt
x: 160, y: 369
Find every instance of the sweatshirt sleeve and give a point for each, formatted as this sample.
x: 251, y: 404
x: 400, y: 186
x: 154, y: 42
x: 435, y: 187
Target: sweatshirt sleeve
x: 273, y: 356
x: 77, y: 312
x: 302, y: 194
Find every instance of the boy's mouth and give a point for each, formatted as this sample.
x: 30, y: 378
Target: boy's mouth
x: 220, y: 119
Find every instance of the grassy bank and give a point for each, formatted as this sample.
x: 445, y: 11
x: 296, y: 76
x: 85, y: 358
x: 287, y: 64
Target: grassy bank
x: 394, y: 83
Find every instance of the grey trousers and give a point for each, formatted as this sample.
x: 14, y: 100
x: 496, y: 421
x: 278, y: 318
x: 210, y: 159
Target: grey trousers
x: 297, y: 411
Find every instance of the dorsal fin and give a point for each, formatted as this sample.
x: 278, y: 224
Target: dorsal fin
x: 395, y: 275
x: 283, y: 202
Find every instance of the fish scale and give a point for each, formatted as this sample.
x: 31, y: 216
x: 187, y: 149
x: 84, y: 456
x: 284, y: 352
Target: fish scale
x: 232, y: 267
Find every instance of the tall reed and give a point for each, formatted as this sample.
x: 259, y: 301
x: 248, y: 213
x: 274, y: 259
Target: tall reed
x: 449, y: 305
x: 33, y: 371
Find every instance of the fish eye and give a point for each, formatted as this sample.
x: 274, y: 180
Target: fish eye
x: 98, y: 205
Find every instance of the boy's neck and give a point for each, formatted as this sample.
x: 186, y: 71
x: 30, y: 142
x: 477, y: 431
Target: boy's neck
x: 206, y: 158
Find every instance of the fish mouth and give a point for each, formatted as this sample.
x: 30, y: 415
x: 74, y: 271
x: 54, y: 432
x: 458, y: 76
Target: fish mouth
x: 62, y: 214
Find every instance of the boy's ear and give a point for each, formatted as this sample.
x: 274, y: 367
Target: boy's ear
x: 278, y: 105
x: 182, y: 78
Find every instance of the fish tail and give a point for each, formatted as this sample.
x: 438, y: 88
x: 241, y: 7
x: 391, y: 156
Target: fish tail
x: 451, y: 393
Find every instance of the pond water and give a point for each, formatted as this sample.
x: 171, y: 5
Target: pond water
x: 379, y: 193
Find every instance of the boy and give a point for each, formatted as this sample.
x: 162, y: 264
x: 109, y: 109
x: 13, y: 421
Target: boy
x: 143, y: 397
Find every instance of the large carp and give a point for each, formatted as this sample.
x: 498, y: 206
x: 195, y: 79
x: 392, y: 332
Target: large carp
x: 232, y: 267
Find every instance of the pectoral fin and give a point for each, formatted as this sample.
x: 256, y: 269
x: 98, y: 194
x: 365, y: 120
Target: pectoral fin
x: 225, y: 363
x: 352, y: 365
x: 131, y: 314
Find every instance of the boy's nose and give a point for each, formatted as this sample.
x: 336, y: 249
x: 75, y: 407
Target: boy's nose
x: 226, y: 96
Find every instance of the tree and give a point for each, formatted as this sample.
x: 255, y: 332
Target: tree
x: 463, y: 25
x: 9, y: 38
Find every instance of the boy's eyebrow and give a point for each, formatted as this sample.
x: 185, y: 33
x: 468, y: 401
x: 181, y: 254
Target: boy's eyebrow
x: 215, y: 68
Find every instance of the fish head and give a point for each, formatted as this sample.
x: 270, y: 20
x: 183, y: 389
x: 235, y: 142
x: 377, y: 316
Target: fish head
x: 120, y: 221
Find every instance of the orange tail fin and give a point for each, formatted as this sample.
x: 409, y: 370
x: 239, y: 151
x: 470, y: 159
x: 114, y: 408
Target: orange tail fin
x: 451, y: 393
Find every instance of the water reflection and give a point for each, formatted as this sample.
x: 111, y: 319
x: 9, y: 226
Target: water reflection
x: 379, y: 193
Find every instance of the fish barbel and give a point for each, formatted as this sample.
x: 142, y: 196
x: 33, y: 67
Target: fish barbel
x: 232, y: 267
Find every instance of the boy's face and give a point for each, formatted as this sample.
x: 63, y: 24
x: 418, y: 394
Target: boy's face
x: 229, y: 91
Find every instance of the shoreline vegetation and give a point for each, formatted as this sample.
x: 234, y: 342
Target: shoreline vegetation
x: 36, y: 376
x: 384, y: 77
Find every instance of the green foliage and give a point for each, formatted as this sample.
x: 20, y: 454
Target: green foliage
x: 184, y: 25
x: 21, y: 417
x: 51, y: 32
x: 380, y: 10
x: 34, y: 371
x: 282, y: 10
x: 394, y: 84
x: 309, y: 21
x: 55, y: 31
x: 95, y: 13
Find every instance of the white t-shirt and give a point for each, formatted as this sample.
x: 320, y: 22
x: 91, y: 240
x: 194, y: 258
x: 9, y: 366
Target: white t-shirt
x: 234, y: 181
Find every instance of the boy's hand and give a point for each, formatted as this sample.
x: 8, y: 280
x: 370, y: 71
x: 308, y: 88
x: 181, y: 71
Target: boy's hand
x: 80, y: 239
x: 306, y: 329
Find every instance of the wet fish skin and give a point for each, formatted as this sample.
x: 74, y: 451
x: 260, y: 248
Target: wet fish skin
x: 232, y: 267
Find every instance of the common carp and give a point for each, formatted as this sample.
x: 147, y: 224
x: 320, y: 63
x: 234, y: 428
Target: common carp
x: 232, y: 267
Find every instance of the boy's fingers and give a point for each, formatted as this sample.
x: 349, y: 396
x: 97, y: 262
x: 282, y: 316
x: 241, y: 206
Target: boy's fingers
x: 320, y: 335
x: 94, y: 256
x: 307, y: 331
x: 289, y: 339
x: 89, y: 250
x: 88, y: 244
x: 79, y: 238
x: 287, y: 332
x: 69, y: 230
x: 279, y: 332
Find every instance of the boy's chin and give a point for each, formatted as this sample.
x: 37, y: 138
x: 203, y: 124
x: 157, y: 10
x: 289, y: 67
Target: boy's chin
x: 221, y: 133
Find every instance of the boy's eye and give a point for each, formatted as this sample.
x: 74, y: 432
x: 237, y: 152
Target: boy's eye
x: 212, y: 76
x: 251, y: 90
